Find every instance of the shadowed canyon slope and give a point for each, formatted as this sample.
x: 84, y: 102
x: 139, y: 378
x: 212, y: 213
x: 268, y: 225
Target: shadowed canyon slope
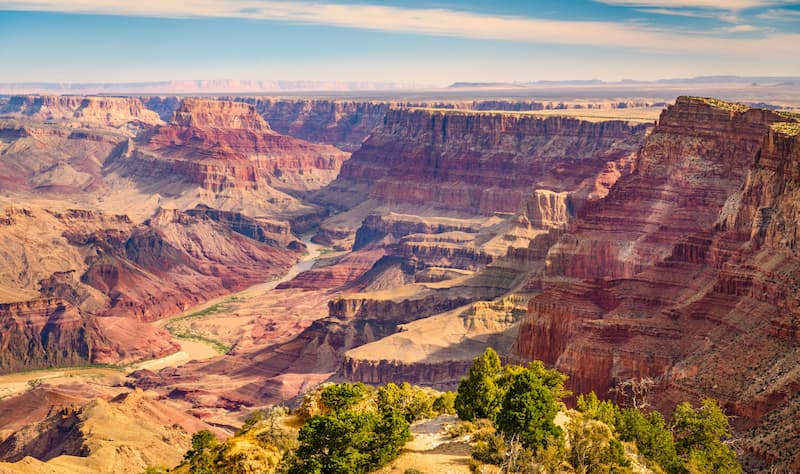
x: 439, y: 255
x: 107, y: 254
x: 609, y: 249
x: 219, y: 145
x: 480, y: 163
x: 686, y: 272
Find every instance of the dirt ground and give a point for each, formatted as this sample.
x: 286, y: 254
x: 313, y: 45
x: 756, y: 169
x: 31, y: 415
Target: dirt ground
x: 432, y: 450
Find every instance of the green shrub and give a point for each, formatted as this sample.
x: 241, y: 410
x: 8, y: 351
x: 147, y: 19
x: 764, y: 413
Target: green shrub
x: 528, y: 411
x: 478, y: 394
x: 457, y: 430
x: 444, y: 404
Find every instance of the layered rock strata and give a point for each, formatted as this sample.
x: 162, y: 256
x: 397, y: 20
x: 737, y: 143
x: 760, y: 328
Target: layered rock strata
x: 99, y: 111
x: 343, y: 124
x: 686, y: 272
x: 222, y: 145
x: 46, y: 333
x: 478, y: 163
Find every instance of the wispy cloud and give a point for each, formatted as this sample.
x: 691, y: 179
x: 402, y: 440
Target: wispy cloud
x: 442, y: 22
x: 729, y: 5
x: 780, y: 14
x: 722, y: 16
x: 741, y: 29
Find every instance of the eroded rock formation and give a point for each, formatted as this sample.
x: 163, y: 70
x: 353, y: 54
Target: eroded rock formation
x: 344, y: 124
x: 46, y: 333
x: 220, y: 145
x: 688, y: 270
x: 99, y: 111
x: 478, y: 163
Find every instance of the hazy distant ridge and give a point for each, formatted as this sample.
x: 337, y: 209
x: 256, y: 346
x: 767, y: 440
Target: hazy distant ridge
x: 763, y: 80
x: 198, y: 86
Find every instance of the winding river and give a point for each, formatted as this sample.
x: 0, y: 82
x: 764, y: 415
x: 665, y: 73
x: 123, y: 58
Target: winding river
x: 11, y: 384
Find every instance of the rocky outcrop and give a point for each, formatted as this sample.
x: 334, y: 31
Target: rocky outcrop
x: 362, y: 306
x: 155, y: 434
x: 220, y: 145
x: 547, y: 209
x: 479, y: 163
x: 45, y: 333
x: 439, y: 350
x: 102, y: 111
x: 394, y: 226
x: 343, y: 124
x: 259, y: 229
x: 451, y: 250
x: 687, y: 271
x: 203, y: 113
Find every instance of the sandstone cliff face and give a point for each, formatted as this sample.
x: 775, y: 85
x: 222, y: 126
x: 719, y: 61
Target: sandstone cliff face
x: 343, y: 124
x: 155, y: 433
x: 46, y: 159
x: 202, y: 113
x: 547, y: 209
x: 692, y: 162
x: 688, y: 271
x: 259, y: 229
x: 346, y: 124
x: 175, y: 260
x: 102, y: 111
x: 394, y: 226
x: 220, y: 145
x: 45, y: 333
x: 480, y: 163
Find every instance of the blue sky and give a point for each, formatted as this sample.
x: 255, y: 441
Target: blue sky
x: 395, y: 41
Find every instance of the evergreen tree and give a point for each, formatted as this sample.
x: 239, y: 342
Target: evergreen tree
x: 528, y: 411
x: 478, y: 394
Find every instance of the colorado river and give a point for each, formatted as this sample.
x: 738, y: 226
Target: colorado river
x: 11, y: 384
x: 198, y: 350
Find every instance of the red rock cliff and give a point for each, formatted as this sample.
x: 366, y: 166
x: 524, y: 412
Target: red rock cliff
x: 687, y: 272
x: 480, y: 163
x: 106, y: 111
x: 344, y: 124
x: 219, y: 145
x: 46, y: 333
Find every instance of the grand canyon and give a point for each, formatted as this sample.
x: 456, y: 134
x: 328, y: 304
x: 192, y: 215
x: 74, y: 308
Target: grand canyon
x: 385, y: 242
x: 411, y: 261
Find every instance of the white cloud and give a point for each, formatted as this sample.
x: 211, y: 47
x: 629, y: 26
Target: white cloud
x: 741, y: 29
x: 717, y: 15
x: 729, y: 5
x: 780, y: 14
x: 440, y: 22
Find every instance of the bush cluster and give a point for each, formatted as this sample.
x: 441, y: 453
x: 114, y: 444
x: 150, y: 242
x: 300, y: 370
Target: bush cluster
x: 520, y: 405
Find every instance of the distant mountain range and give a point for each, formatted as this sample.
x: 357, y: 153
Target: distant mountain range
x: 234, y: 86
x: 761, y: 80
x: 226, y: 86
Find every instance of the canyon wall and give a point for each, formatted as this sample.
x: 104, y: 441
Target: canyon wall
x: 220, y: 145
x: 346, y: 124
x: 686, y: 272
x: 46, y: 333
x: 343, y: 124
x: 478, y: 163
x: 100, y: 111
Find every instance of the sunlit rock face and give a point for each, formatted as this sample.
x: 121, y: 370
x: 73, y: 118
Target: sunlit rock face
x: 687, y: 272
